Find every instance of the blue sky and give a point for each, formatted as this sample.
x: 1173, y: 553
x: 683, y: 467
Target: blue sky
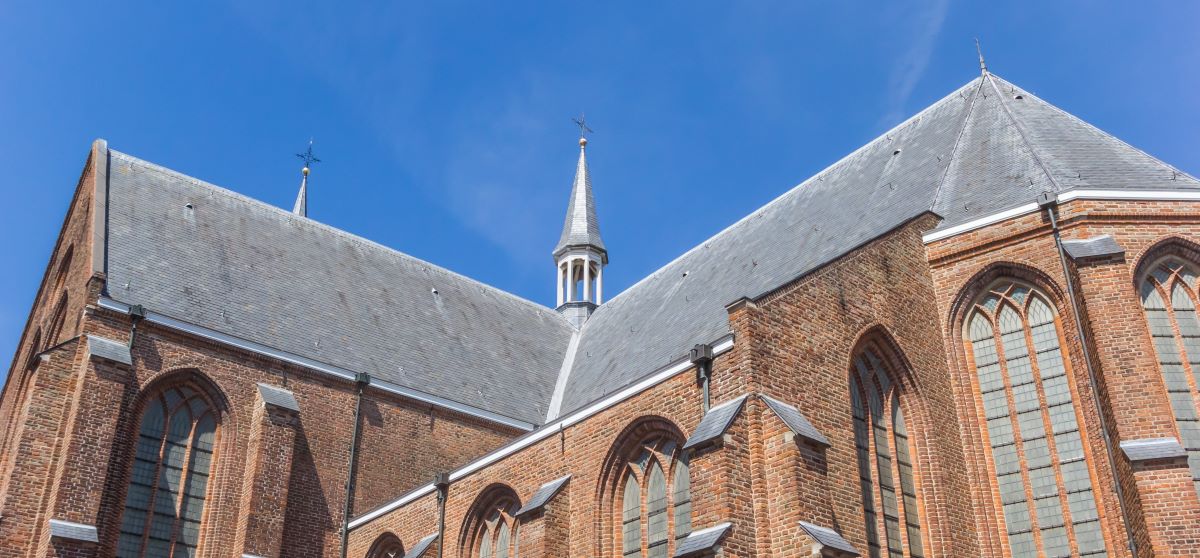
x: 444, y: 127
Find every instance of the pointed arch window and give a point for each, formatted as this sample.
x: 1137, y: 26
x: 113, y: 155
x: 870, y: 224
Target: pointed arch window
x: 1045, y: 487
x: 651, y: 508
x: 1175, y: 330
x: 386, y: 546
x: 169, y: 483
x: 496, y: 536
x: 884, y: 453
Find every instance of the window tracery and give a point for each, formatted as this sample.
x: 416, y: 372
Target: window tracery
x: 1049, y: 507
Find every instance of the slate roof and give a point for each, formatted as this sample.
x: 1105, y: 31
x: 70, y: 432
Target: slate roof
x: 796, y: 421
x: 422, y: 546
x: 1102, y: 246
x: 543, y: 496
x: 581, y: 227
x: 715, y: 422
x: 109, y: 350
x: 970, y: 154
x: 197, y: 253
x: 828, y: 537
x: 701, y: 541
x: 1153, y: 448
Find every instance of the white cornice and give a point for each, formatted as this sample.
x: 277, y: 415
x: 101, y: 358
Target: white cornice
x: 1077, y: 194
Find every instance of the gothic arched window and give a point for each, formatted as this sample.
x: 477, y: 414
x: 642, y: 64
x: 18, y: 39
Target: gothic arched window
x: 495, y: 534
x: 1175, y: 329
x: 386, y: 546
x: 648, y: 504
x: 1044, y: 484
x: 884, y: 456
x: 169, y: 482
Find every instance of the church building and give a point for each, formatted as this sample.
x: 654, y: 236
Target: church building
x: 977, y: 335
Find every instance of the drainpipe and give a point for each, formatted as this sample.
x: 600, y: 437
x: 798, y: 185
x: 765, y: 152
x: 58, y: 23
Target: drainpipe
x: 442, y: 482
x: 1049, y: 202
x: 137, y: 313
x: 702, y: 356
x: 361, y: 381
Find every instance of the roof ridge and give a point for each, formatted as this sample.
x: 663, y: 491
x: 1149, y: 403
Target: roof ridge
x: 1097, y: 129
x: 304, y: 221
x: 1024, y: 137
x: 962, y: 130
x: 880, y: 138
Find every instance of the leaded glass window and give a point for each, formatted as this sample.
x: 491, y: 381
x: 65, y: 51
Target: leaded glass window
x: 496, y: 536
x: 884, y: 454
x: 1175, y: 330
x: 169, y: 482
x: 652, y: 509
x: 1044, y: 484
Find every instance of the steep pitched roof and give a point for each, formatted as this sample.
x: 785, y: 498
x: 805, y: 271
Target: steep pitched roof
x: 213, y: 258
x: 581, y: 228
x: 978, y: 151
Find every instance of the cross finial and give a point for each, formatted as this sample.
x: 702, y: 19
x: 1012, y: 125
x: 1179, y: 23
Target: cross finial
x: 308, y: 158
x: 982, y: 64
x: 583, y: 128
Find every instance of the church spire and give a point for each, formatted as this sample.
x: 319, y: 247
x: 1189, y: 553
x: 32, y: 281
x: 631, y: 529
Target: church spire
x: 580, y: 255
x: 301, y: 207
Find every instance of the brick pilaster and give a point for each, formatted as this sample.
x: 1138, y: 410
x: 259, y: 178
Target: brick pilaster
x: 265, y: 487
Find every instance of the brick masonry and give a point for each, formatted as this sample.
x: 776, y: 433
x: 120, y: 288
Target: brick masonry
x: 68, y: 422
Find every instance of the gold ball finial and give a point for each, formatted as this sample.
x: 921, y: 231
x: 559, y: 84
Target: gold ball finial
x: 582, y: 142
x: 305, y: 171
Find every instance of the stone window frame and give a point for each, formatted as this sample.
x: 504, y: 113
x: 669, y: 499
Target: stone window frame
x: 970, y: 305
x: 1153, y: 271
x: 895, y: 398
x: 491, y: 517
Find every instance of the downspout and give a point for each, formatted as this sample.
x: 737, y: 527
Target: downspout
x: 442, y: 483
x: 1049, y: 202
x: 702, y: 356
x: 137, y: 313
x: 361, y: 381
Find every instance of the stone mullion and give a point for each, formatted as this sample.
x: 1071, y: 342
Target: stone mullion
x: 1018, y: 443
x: 1051, y: 442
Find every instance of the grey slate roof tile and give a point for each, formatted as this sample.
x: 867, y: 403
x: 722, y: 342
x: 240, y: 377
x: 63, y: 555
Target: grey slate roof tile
x: 419, y: 550
x: 581, y: 227
x: 60, y: 529
x: 791, y: 416
x: 715, y: 422
x: 279, y: 397
x: 258, y: 272
x: 704, y: 540
x: 253, y: 271
x: 108, y: 349
x: 543, y: 495
x: 1153, y: 448
x: 829, y: 538
x: 1102, y: 246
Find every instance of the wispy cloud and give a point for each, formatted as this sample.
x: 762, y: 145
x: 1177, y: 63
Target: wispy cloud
x: 923, y: 27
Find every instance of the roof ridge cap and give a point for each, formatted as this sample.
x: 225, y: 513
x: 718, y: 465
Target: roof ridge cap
x: 962, y: 131
x: 881, y: 137
x: 1099, y: 130
x: 1024, y: 137
x: 330, y: 228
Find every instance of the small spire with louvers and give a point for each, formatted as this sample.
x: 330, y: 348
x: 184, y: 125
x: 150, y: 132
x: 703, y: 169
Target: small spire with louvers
x: 301, y: 207
x: 581, y: 228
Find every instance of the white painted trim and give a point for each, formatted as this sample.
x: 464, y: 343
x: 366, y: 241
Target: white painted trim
x: 721, y: 346
x: 560, y: 386
x: 1157, y: 195
x: 201, y: 331
x: 980, y: 222
x: 705, y: 531
x: 1077, y: 194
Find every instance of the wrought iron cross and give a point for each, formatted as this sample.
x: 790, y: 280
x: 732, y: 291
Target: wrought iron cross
x: 583, y: 127
x: 308, y: 156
